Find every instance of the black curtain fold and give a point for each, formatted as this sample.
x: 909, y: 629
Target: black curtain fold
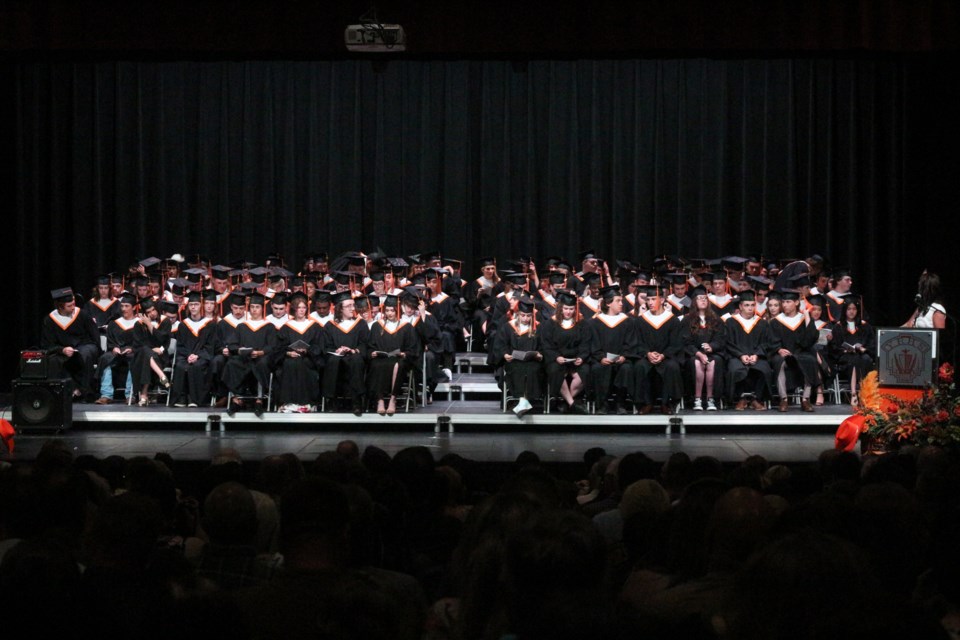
x: 115, y: 161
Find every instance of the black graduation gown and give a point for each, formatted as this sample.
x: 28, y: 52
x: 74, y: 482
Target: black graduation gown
x: 445, y: 309
x: 523, y: 378
x: 661, y: 334
x: 225, y: 334
x: 748, y: 337
x: 589, y: 307
x: 299, y: 381
x: 190, y: 381
x: 614, y: 335
x: 402, y: 337
x: 145, y: 341
x: 694, y: 336
x: 722, y: 307
x: 567, y: 342
x: 353, y: 334
x: 798, y: 337
x: 79, y: 332
x: 250, y: 334
x: 845, y: 361
x: 102, y: 312
x: 120, y: 335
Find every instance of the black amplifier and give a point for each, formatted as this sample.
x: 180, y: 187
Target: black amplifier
x: 33, y: 365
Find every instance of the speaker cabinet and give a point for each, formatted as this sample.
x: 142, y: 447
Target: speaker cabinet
x: 42, y: 405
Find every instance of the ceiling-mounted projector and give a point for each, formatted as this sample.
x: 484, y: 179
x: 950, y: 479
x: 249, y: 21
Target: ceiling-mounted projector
x: 375, y: 37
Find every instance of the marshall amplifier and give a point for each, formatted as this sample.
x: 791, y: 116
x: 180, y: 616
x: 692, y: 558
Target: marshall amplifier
x: 33, y: 365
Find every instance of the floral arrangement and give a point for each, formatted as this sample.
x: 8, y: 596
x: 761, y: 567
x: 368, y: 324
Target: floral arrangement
x: 931, y: 419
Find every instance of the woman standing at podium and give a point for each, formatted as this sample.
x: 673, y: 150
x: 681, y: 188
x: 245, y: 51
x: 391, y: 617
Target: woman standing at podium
x: 930, y: 312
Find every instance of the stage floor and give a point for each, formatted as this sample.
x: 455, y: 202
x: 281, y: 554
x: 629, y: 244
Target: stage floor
x: 472, y: 429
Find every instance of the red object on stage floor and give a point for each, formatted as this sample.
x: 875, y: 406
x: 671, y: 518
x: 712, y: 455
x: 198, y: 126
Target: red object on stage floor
x: 849, y: 432
x: 6, y: 434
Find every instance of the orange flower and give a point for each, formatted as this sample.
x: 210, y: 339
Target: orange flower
x: 946, y: 373
x: 943, y: 416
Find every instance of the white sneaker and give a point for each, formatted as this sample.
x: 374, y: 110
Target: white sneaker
x: 522, y: 407
x: 288, y: 408
x: 697, y: 404
x: 711, y: 405
x: 193, y: 405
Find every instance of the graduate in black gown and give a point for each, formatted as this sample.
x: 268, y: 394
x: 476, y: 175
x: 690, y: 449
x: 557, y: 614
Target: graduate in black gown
x: 72, y: 343
x: 748, y: 346
x: 120, y: 350
x: 414, y: 312
x: 853, y: 344
x: 345, y: 352
x: 794, y: 336
x: 299, y: 358
x: 195, y: 341
x: 151, y: 340
x: 251, y: 353
x: 394, y: 350
x: 566, y: 351
x: 613, y: 340
x: 226, y: 333
x: 103, y: 307
x: 659, y: 353
x: 704, y: 343
x: 523, y: 376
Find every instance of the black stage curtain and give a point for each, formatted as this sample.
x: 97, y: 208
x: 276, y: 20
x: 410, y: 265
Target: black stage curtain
x: 700, y: 157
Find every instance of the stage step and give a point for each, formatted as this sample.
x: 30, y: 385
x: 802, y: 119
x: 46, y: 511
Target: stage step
x: 473, y: 383
x: 469, y: 360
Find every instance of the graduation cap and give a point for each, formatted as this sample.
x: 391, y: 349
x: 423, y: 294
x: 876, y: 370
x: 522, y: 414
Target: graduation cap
x: 514, y: 277
x: 363, y: 302
x: 790, y: 294
x: 733, y: 263
x: 588, y: 254
x: 591, y: 278
x: 177, y: 289
x: 760, y: 282
x: 243, y: 264
x: 197, y: 260
x: 256, y: 298
x: 816, y: 301
x: 279, y: 272
x: 610, y: 292
x: 696, y: 263
x: 556, y: 277
x: 563, y: 265
x: 195, y: 274
x: 747, y: 296
x: 210, y: 294
x: 419, y: 279
x: 154, y: 278
x: 377, y: 276
x: 166, y: 306
x: 800, y: 280
x: 249, y: 286
x: 297, y: 281
x: 238, y: 298
x: 128, y: 298
x: 453, y: 263
x: 525, y: 305
x: 274, y: 260
x: 259, y: 274
x: 641, y: 275
x: 839, y: 273
x: 146, y: 304
x: 552, y: 261
x: 343, y: 296
x: 103, y: 280
x: 140, y: 282
x: 179, y: 282
x: 430, y: 256
x: 567, y: 298
x: 776, y: 294
x: 391, y: 301
x: 433, y: 273
x: 296, y: 297
x: 718, y: 275
x: 194, y: 296
x: 146, y: 263
x: 676, y: 278
x: 397, y: 263
x: 698, y: 290
x: 322, y: 295
x: 279, y: 298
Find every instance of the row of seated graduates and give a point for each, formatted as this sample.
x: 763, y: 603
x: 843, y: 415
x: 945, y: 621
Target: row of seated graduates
x: 485, y: 299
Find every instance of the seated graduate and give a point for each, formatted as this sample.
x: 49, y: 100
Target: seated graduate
x: 748, y: 344
x: 195, y: 336
x: 322, y: 307
x: 721, y: 301
x: 103, y: 307
x: 519, y: 351
x: 590, y: 299
x: 345, y: 351
x: 151, y: 340
x: 679, y: 300
x: 546, y: 296
x: 120, y: 350
x: 70, y: 338
x: 251, y: 352
x: 224, y: 335
x: 414, y: 312
x: 853, y: 344
x: 299, y: 355
x: 394, y: 351
x: 613, y: 339
x: 794, y: 336
x: 659, y: 350
x: 704, y: 344
x: 815, y: 307
x: 566, y: 351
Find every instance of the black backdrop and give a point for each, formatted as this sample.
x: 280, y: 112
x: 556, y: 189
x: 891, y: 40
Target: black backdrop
x: 114, y: 161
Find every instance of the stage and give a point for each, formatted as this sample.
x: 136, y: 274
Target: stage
x: 474, y: 429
